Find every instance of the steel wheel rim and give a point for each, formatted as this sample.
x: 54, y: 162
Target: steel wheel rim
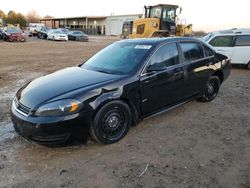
x: 113, y: 124
x: 211, y: 89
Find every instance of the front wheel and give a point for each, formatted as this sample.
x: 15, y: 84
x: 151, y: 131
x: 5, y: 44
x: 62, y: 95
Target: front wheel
x: 111, y: 123
x: 211, y: 89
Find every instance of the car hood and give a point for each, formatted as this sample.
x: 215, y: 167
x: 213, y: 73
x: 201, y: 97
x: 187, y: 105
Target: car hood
x: 60, y: 34
x: 16, y: 34
x: 61, y: 82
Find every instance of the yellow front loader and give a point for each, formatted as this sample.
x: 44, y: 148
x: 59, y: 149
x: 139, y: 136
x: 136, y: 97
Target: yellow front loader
x: 160, y: 21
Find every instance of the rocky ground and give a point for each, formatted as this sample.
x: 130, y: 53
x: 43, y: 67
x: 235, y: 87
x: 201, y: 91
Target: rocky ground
x: 195, y: 145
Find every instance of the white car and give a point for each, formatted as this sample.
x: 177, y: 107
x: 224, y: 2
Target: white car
x: 56, y: 34
x: 234, y: 43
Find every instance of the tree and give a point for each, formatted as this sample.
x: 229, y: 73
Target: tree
x: 2, y: 18
x: 11, y: 17
x: 21, y: 20
x: 2, y: 14
x: 15, y: 18
x: 199, y: 33
x: 33, y: 17
x: 48, y: 17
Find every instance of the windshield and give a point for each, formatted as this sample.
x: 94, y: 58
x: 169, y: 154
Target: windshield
x: 58, y: 32
x: 14, y: 30
x: 78, y: 33
x: 118, y: 58
x: 155, y: 12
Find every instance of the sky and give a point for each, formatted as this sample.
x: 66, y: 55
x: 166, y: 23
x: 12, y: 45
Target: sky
x: 209, y: 15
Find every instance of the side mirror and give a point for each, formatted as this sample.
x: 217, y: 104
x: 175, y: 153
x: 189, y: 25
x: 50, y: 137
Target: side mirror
x: 155, y: 67
x: 80, y: 64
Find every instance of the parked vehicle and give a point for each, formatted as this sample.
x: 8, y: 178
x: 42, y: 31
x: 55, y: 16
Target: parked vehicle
x: 233, y: 43
x: 1, y: 34
x: 78, y: 36
x: 13, y: 34
x: 43, y: 33
x: 108, y: 93
x: 56, y: 34
x: 34, y: 28
x: 65, y: 30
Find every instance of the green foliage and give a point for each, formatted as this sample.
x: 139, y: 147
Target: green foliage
x: 2, y: 14
x: 21, y: 20
x: 14, y: 18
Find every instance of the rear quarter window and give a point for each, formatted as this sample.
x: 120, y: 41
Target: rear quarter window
x: 222, y: 41
x: 242, y: 40
x: 192, y: 51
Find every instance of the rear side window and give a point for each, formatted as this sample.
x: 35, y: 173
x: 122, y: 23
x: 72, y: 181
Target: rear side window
x: 222, y: 41
x: 242, y: 40
x: 192, y: 51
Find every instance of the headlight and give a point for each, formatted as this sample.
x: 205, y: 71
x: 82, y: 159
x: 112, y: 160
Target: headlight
x: 59, y: 108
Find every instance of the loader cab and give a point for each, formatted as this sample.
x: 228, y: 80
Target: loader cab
x: 166, y: 14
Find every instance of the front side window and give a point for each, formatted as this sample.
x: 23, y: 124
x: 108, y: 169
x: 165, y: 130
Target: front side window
x: 165, y: 56
x: 222, y: 41
x: 155, y: 12
x: 242, y: 40
x: 192, y: 51
x: 208, y: 51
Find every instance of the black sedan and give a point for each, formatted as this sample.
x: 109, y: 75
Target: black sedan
x: 43, y: 33
x: 116, y: 88
x: 78, y: 36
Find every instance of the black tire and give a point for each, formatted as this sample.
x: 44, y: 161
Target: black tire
x: 53, y: 38
x: 248, y: 65
x: 111, y: 122
x: 211, y: 89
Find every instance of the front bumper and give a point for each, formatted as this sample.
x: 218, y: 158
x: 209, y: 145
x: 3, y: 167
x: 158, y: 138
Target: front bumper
x: 51, y: 130
x: 61, y: 38
x: 16, y: 38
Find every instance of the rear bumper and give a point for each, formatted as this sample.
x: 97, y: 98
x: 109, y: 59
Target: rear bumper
x: 51, y: 130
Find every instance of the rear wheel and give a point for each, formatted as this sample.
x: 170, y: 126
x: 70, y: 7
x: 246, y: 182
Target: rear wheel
x: 111, y: 123
x: 211, y: 89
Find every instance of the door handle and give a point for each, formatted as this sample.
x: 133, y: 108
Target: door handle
x: 177, y: 73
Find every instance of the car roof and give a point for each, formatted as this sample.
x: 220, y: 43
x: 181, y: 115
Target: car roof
x: 156, y: 41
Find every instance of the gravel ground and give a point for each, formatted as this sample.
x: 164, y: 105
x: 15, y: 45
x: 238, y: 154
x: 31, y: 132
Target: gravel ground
x: 195, y: 145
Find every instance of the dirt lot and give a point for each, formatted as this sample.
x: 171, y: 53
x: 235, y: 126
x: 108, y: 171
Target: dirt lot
x: 196, y: 145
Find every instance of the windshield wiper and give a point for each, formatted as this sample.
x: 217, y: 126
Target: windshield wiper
x: 104, y: 71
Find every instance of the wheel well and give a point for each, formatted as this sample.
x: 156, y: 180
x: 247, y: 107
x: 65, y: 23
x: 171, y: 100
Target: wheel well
x: 134, y: 112
x: 220, y: 75
x: 135, y: 116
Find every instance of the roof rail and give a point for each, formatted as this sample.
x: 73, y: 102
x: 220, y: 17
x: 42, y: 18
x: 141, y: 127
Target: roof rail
x: 236, y: 30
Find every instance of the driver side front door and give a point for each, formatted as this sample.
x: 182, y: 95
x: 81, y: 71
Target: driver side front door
x: 162, y: 87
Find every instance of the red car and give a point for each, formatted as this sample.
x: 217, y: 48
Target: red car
x: 14, y: 34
